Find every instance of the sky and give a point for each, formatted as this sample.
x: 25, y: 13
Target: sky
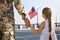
x: 54, y: 5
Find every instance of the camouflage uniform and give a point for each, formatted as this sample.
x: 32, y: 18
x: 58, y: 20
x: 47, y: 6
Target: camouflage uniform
x: 6, y: 20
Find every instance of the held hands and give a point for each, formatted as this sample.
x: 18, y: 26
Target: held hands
x: 23, y: 16
x: 27, y: 22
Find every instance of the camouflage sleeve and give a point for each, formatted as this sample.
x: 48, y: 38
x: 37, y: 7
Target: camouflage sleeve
x: 3, y: 8
x: 19, y: 6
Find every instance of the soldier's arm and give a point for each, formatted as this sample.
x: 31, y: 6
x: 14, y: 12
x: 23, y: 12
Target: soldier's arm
x: 19, y: 6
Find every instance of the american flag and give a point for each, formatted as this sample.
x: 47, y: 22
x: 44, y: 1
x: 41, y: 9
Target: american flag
x: 32, y: 13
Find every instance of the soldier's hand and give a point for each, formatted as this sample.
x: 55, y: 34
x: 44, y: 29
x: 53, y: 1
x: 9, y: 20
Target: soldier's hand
x: 23, y: 16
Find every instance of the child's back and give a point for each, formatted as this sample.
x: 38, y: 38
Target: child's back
x: 45, y: 32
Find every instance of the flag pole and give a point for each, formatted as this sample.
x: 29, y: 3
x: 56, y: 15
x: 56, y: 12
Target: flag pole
x: 37, y: 16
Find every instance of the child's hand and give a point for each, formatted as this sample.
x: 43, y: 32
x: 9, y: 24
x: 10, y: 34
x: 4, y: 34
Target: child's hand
x: 27, y: 22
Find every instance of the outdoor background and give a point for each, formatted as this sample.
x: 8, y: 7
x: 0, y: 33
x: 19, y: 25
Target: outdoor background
x: 54, y: 5
x: 39, y: 5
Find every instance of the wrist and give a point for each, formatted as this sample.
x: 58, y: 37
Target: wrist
x: 24, y: 17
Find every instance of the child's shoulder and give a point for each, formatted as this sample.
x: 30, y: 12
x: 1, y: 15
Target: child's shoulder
x: 42, y: 23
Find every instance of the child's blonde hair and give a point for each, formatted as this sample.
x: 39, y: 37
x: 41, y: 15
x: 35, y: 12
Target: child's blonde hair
x: 47, y: 12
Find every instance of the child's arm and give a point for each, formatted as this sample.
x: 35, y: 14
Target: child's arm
x: 27, y: 22
x: 41, y: 27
